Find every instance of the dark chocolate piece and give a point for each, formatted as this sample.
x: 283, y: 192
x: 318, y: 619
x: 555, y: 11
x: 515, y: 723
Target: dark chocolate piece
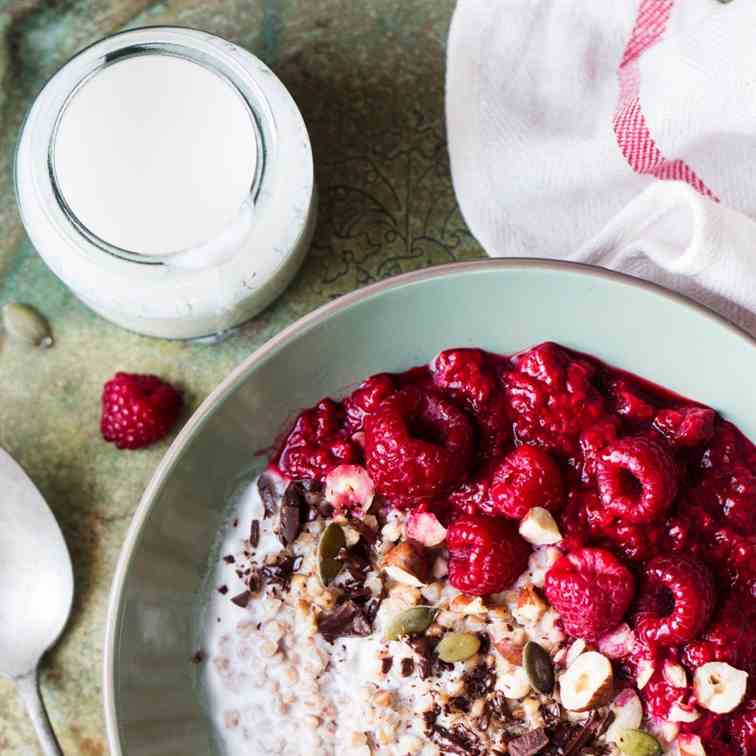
x: 408, y: 666
x: 529, y: 744
x: 242, y: 599
x: 254, y: 533
x: 345, y: 620
x: 267, y: 490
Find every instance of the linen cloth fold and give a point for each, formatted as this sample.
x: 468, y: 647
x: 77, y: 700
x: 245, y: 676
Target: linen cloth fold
x: 617, y: 133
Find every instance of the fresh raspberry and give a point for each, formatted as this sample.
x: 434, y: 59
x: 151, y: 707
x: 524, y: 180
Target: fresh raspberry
x: 525, y: 478
x: 675, y: 601
x: 366, y: 398
x: 318, y: 443
x: 636, y: 480
x: 552, y: 399
x: 738, y: 500
x: 629, y: 402
x: 593, y: 441
x: 725, y: 448
x: 137, y: 410
x: 465, y: 376
x: 686, y: 427
x: 474, y: 496
x: 743, y: 728
x: 730, y: 636
x: 591, y: 589
x: 417, y: 445
x: 486, y: 555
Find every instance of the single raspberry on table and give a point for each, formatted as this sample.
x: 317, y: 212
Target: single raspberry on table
x: 686, y: 427
x: 137, y: 410
x: 591, y: 589
x: 417, y: 445
x: 525, y: 478
x: 675, y: 601
x: 486, y: 555
x: 636, y: 480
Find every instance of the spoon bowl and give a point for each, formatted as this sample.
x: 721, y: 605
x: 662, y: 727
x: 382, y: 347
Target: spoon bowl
x: 36, y: 587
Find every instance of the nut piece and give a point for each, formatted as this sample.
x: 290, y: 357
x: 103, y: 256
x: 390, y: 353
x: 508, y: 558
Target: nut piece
x: 690, y: 745
x: 680, y: 712
x: 587, y: 683
x: 628, y: 714
x: 468, y: 605
x: 425, y: 528
x: 515, y: 683
x: 644, y: 673
x: 719, y: 687
x: 405, y: 563
x: 539, y: 527
x: 618, y: 643
x: 530, y: 607
x: 675, y: 675
x: 350, y: 488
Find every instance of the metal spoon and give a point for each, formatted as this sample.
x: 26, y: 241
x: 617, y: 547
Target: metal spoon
x: 36, y: 589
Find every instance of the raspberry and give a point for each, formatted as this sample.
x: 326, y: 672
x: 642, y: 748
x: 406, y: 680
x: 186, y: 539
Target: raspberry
x: 743, y: 728
x: 628, y: 402
x: 366, y: 398
x: 636, y: 480
x: 486, y: 555
x: 738, y: 500
x: 527, y: 477
x: 592, y: 442
x: 317, y: 444
x: 464, y: 375
x: 686, y: 427
x: 417, y: 445
x: 676, y: 600
x: 591, y: 589
x: 137, y: 410
x: 552, y: 399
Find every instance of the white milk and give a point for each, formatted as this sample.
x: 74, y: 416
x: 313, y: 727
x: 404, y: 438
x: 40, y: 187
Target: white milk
x: 156, y: 154
x: 181, y: 199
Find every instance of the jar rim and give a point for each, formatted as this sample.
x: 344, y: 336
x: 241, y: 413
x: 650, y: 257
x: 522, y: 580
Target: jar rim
x: 129, y: 50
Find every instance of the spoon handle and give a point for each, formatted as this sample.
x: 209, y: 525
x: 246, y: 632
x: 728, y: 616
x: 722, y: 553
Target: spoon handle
x: 28, y: 691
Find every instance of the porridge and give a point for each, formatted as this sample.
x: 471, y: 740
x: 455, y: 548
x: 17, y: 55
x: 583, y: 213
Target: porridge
x: 523, y: 555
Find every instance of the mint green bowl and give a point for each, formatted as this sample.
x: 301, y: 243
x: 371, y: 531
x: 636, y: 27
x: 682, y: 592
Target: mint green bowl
x: 152, y: 707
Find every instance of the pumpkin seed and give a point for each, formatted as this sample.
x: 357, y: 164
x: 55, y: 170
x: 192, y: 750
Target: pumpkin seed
x: 411, y: 621
x: 456, y: 647
x: 24, y: 323
x: 638, y: 743
x: 332, y: 541
x: 539, y: 667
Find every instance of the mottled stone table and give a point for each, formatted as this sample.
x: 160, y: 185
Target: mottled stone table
x: 369, y: 78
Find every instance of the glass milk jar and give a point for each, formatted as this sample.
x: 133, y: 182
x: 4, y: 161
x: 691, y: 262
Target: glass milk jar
x: 166, y: 176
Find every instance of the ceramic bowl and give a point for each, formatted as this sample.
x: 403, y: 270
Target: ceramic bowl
x: 151, y: 702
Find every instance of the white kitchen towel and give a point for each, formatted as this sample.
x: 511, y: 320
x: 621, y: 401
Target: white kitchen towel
x: 618, y: 132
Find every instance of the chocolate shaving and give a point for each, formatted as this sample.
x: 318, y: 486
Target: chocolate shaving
x: 198, y: 657
x: 229, y: 559
x: 267, y: 491
x: 570, y: 739
x: 280, y: 572
x: 347, y: 619
x: 288, y: 525
x: 480, y: 681
x: 386, y: 663
x: 459, y: 740
x: 529, y: 744
x: 242, y: 599
x: 254, y: 533
x: 461, y: 703
x: 408, y: 666
x: 369, y: 535
x: 498, y: 706
x: 223, y: 590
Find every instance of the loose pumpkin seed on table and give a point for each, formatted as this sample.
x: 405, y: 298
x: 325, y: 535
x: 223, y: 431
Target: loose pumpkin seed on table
x: 23, y: 323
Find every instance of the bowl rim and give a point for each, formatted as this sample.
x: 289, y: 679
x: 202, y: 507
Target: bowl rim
x: 318, y: 315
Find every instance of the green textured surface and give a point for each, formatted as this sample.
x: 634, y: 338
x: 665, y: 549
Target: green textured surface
x: 368, y: 77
